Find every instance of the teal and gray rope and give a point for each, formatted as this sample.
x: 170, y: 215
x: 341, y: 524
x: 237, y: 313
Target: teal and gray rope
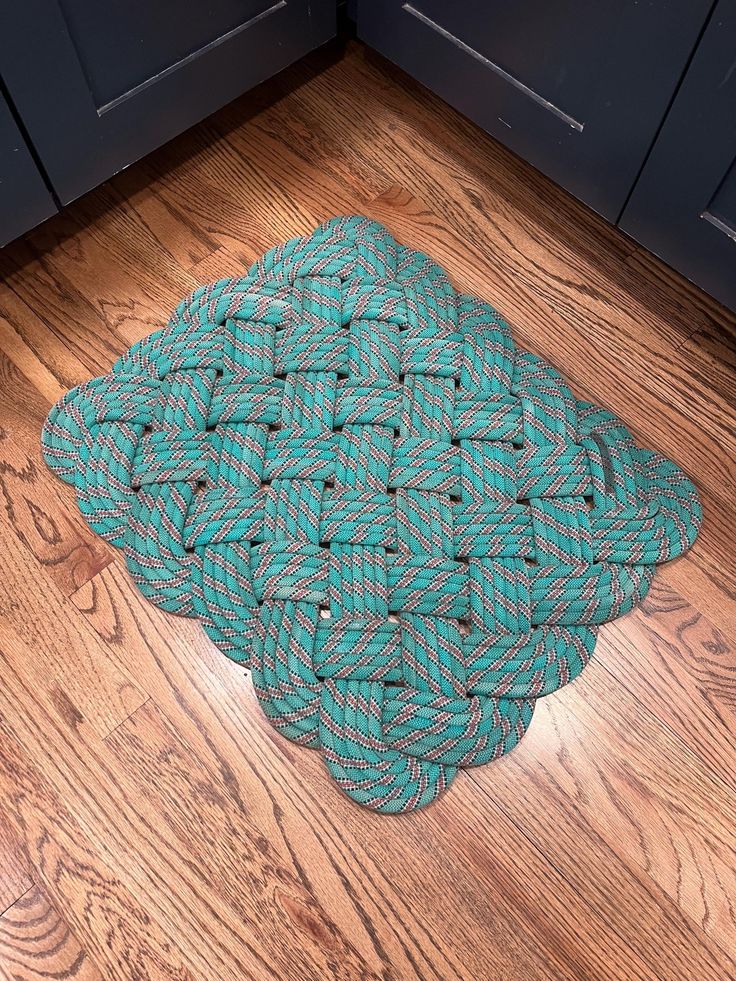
x: 405, y: 527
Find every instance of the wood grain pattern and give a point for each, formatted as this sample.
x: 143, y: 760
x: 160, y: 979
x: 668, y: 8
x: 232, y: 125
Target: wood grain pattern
x: 68, y: 857
x: 15, y: 877
x: 152, y: 824
x: 36, y: 943
x: 680, y: 666
x: 36, y: 505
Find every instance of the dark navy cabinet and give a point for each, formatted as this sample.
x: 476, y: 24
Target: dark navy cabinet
x: 683, y: 207
x: 24, y: 198
x: 577, y: 88
x: 98, y: 85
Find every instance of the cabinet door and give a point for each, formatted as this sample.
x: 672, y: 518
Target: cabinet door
x: 684, y: 204
x: 99, y: 84
x: 24, y: 198
x: 577, y: 88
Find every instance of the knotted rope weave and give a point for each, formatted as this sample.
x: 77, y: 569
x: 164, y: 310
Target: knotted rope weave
x: 405, y: 527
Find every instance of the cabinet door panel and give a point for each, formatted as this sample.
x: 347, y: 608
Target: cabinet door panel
x: 576, y: 88
x: 98, y: 85
x: 684, y: 204
x: 24, y: 198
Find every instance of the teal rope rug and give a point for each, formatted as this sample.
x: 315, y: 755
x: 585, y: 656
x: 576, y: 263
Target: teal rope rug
x: 404, y: 526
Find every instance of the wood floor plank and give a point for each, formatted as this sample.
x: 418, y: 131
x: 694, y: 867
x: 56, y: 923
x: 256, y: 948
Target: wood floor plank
x: 678, y: 297
x: 636, y: 812
x: 177, y: 233
x: 36, y: 943
x: 704, y: 588
x: 234, y: 201
x: 132, y: 845
x: 711, y: 355
x: 222, y: 262
x: 295, y: 121
x: 84, y: 332
x: 112, y: 239
x: 36, y: 348
x: 681, y: 667
x: 220, y: 214
x: 38, y: 508
x: 15, y: 875
x: 75, y: 667
x: 113, y: 925
x: 100, y: 307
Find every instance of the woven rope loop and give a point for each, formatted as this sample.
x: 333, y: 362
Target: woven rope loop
x: 408, y: 529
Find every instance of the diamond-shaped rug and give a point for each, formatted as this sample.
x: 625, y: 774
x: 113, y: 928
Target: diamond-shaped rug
x: 404, y: 526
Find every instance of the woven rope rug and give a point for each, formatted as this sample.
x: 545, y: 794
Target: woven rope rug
x: 404, y: 526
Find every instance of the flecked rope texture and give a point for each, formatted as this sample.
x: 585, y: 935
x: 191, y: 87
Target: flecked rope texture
x: 405, y: 527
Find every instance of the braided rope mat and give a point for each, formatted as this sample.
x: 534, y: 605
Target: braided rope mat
x: 404, y: 526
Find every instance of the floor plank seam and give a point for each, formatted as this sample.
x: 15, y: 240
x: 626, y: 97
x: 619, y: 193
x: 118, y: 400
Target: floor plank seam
x: 18, y: 899
x: 127, y: 718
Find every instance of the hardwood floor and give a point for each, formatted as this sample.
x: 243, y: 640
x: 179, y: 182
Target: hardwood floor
x: 152, y: 824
